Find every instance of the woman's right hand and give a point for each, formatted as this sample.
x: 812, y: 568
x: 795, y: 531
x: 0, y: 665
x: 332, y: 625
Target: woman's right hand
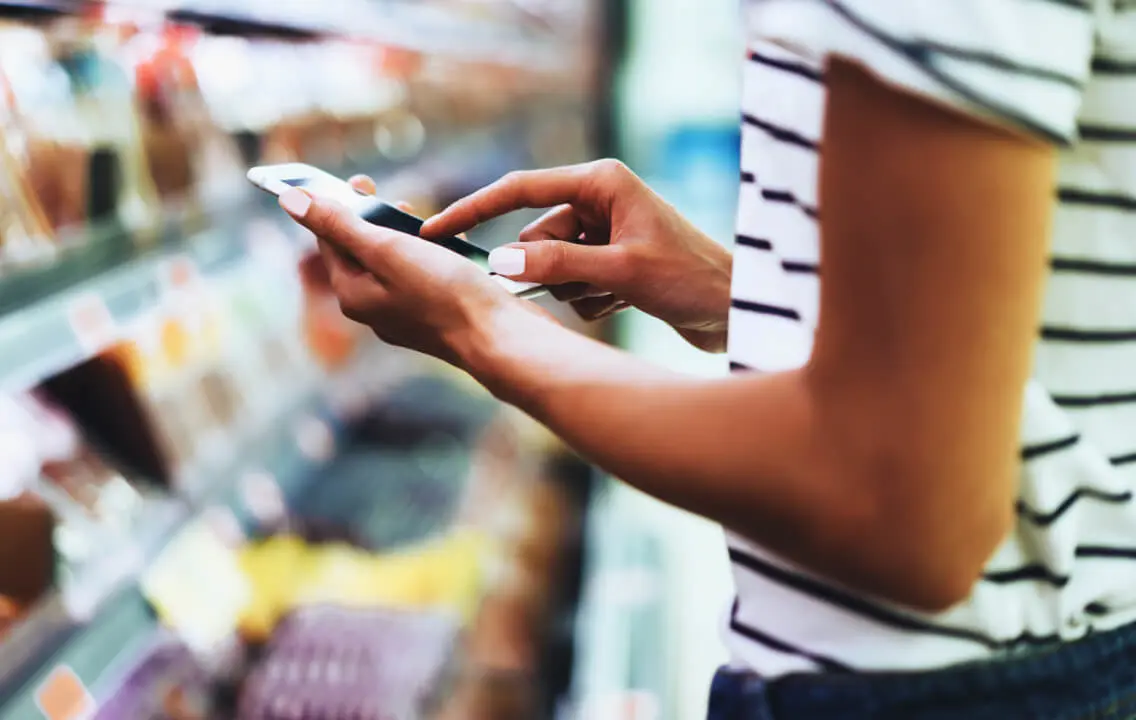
x: 608, y: 242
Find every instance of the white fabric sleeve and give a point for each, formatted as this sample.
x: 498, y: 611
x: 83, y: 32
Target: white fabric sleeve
x: 1022, y: 63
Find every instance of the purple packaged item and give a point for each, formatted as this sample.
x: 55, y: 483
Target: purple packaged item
x: 166, y: 683
x: 328, y: 663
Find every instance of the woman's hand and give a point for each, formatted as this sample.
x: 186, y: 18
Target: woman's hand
x: 412, y: 293
x: 608, y: 242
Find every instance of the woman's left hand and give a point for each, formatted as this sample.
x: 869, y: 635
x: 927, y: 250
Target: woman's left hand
x: 410, y: 292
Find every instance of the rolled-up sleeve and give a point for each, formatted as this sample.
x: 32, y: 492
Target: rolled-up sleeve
x: 1019, y: 63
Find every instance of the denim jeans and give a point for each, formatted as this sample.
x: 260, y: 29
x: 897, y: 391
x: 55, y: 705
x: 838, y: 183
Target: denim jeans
x: 1091, y: 679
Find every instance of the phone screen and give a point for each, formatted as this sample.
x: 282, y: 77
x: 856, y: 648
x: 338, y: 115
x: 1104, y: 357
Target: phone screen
x: 325, y: 186
x: 391, y: 217
x: 371, y: 209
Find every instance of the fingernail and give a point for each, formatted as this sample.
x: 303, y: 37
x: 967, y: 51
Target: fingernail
x: 295, y: 202
x: 507, y: 261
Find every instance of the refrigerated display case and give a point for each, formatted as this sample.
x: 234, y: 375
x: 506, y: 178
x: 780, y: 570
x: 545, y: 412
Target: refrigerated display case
x: 207, y: 466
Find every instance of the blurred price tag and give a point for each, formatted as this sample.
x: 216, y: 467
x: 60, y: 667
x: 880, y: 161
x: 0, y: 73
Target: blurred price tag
x: 92, y: 323
x: 180, y: 274
x: 622, y: 705
x: 263, y: 497
x: 197, y: 587
x: 314, y: 438
x: 181, y: 286
x: 63, y: 696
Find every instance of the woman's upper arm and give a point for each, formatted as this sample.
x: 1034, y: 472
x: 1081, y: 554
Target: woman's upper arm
x: 936, y: 192
x: 934, y: 234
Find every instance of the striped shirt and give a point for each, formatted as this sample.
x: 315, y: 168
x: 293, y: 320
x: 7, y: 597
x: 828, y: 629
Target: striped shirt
x: 1061, y: 70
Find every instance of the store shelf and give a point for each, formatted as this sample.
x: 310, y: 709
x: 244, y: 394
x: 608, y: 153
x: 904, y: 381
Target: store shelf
x: 290, y: 427
x: 103, y: 612
x: 115, y: 280
x: 57, y: 332
x: 128, y: 623
x: 397, y: 23
x: 41, y: 339
x: 119, y: 620
x: 403, y: 24
x: 33, y: 9
x: 235, y: 21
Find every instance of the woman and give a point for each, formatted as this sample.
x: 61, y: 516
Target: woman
x: 928, y: 502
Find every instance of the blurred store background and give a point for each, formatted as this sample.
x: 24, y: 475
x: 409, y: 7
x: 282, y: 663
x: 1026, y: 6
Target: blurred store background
x: 218, y: 498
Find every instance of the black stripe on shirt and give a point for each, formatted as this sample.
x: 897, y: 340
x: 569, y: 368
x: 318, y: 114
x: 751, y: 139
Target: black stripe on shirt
x: 763, y: 638
x: 1120, y: 460
x: 789, y: 66
x: 781, y: 134
x: 1105, y: 552
x: 1097, y: 609
x: 780, y: 196
x: 917, y: 50
x: 1045, y: 519
x: 1113, y: 66
x: 1032, y: 452
x: 800, y: 268
x: 995, y: 61
x: 753, y: 242
x: 859, y: 606
x: 1088, y: 401
x: 1064, y: 334
x: 1092, y: 267
x: 1027, y: 573
x: 1077, y: 196
x: 918, y: 54
x: 787, y: 197
x: 763, y: 309
x: 739, y: 367
x: 1102, y: 133
x: 1076, y: 4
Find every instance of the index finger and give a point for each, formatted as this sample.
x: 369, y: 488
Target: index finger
x: 364, y: 184
x: 334, y: 222
x: 515, y: 191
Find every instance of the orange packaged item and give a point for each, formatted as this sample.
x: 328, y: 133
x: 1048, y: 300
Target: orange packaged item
x: 175, y: 343
x: 331, y: 338
x: 10, y: 611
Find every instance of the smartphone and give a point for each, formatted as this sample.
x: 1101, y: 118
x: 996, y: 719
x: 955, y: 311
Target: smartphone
x: 276, y: 179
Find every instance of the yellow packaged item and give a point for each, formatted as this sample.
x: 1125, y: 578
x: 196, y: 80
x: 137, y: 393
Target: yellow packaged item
x: 284, y: 573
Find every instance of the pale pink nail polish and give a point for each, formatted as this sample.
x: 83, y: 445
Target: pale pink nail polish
x: 508, y: 261
x: 296, y: 203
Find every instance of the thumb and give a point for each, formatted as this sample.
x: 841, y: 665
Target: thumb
x: 553, y: 262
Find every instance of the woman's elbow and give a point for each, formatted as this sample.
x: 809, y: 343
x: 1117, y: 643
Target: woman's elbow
x: 931, y: 548
x: 938, y: 589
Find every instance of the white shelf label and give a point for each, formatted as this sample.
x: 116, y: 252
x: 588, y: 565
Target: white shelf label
x: 262, y: 497
x: 315, y: 439
x: 92, y: 322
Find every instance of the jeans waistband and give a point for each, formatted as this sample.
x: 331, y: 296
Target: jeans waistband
x: 1090, y: 679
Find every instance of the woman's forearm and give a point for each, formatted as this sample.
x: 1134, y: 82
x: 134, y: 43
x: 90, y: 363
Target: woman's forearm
x: 669, y: 434
x: 752, y: 453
